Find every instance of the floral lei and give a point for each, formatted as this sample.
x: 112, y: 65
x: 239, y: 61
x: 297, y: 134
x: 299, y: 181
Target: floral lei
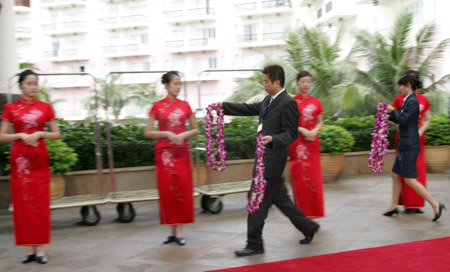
x: 220, y: 140
x: 380, y: 142
x: 259, y: 182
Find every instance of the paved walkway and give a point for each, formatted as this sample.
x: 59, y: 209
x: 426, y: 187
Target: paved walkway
x: 354, y: 221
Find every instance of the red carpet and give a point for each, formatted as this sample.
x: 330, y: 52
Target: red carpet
x: 424, y: 256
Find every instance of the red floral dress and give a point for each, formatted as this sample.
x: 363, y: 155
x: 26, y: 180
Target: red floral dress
x: 173, y: 164
x: 30, y: 173
x: 306, y: 172
x: 409, y: 198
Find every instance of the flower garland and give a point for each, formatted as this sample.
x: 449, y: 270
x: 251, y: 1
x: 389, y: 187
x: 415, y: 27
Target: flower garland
x: 220, y: 140
x: 259, y: 182
x: 380, y: 142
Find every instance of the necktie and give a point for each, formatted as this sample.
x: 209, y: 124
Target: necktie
x: 270, y: 102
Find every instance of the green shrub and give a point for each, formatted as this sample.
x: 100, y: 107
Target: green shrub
x: 335, y: 139
x: 438, y: 133
x: 361, y: 128
x: 4, y: 151
x: 62, y: 157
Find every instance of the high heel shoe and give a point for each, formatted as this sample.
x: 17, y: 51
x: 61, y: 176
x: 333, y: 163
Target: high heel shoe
x: 391, y: 213
x: 29, y: 258
x: 438, y: 215
x: 180, y: 241
x: 169, y: 239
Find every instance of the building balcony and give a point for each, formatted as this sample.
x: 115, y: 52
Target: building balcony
x: 191, y: 15
x: 261, y: 39
x: 66, y: 28
x: 66, y: 55
x: 23, y: 32
x: 334, y: 13
x: 258, y: 8
x: 311, y: 3
x: 126, y: 50
x: 124, y: 22
x: 69, y: 82
x: 192, y: 45
x: 58, y: 4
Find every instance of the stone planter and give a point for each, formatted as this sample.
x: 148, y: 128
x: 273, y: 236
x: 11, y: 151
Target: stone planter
x: 332, y: 166
x: 57, y: 186
x: 436, y: 158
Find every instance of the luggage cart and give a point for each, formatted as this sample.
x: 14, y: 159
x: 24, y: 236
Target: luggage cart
x: 87, y: 203
x: 212, y: 194
x: 124, y: 199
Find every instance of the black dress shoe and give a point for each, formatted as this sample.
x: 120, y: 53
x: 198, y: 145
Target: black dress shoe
x: 180, y: 241
x: 308, y: 238
x: 391, y: 213
x: 413, y: 211
x: 248, y: 252
x: 438, y: 215
x: 169, y: 239
x: 41, y: 259
x: 29, y: 258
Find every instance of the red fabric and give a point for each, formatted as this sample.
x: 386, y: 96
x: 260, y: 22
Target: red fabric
x: 173, y: 165
x: 428, y: 255
x: 171, y: 115
x: 409, y: 198
x: 30, y: 173
x: 306, y: 172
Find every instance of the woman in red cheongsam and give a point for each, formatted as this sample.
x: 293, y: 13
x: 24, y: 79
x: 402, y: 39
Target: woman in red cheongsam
x: 29, y: 160
x: 173, y: 165
x: 411, y: 200
x: 304, y: 153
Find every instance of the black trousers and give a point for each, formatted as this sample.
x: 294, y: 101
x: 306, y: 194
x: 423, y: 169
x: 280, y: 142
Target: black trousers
x: 276, y: 193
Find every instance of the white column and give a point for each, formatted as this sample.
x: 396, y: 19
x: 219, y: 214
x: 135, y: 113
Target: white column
x: 8, y: 47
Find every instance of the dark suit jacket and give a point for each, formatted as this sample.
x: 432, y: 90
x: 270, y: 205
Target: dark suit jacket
x: 408, y: 121
x: 280, y: 121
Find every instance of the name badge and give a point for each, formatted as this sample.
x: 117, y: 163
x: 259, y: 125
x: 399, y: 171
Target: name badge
x: 259, y: 129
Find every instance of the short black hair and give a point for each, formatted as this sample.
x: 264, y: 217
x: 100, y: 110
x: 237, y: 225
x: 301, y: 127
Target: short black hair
x: 303, y: 74
x: 404, y: 80
x: 274, y: 72
x: 24, y: 74
x: 167, y: 77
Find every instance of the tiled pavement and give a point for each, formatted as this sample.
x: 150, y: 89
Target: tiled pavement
x: 354, y: 221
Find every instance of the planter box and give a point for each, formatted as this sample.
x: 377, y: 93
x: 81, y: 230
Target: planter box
x: 143, y: 177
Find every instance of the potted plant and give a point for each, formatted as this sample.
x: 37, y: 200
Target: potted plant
x: 334, y: 141
x: 437, y: 143
x: 62, y: 158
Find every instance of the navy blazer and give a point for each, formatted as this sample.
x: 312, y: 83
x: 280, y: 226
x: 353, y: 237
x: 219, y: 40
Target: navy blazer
x: 280, y: 121
x: 408, y: 121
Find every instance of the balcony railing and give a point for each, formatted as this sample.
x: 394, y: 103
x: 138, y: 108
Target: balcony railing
x: 64, y: 26
x: 126, y: 48
x: 276, y: 4
x: 112, y: 21
x: 246, y: 6
x: 23, y: 30
x: 273, y: 36
x: 198, y: 42
x: 247, y: 38
x: 175, y: 44
x: 176, y: 14
x: 62, y: 53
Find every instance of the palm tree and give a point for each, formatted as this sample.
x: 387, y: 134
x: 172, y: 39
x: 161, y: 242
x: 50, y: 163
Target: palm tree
x: 390, y: 56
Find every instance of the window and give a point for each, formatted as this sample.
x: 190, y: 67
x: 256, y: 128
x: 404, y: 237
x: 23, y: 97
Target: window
x: 114, y: 40
x: 140, y: 38
x: 417, y: 11
x: 207, y: 33
x: 179, y: 65
x: 250, y: 32
x: 329, y: 7
x: 207, y: 63
x: 140, y: 66
x: 319, y: 13
x: 252, y: 60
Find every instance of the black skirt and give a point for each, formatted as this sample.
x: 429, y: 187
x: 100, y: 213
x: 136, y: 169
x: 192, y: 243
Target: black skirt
x: 405, y: 163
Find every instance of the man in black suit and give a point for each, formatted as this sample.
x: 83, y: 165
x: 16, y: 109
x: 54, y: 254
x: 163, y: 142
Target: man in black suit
x: 278, y: 121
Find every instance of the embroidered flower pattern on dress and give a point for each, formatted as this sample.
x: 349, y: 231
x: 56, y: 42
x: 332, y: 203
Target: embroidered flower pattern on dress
x: 23, y: 165
x: 175, y: 117
x: 308, y: 112
x: 30, y: 119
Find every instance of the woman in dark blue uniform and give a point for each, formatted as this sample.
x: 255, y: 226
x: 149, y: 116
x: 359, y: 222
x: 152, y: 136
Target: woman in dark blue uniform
x: 408, y: 147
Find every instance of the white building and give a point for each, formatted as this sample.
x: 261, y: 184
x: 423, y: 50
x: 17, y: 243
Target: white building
x: 100, y: 36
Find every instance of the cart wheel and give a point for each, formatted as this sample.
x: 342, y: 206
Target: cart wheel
x: 214, y: 205
x: 126, y: 212
x: 204, y: 202
x: 90, y: 215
